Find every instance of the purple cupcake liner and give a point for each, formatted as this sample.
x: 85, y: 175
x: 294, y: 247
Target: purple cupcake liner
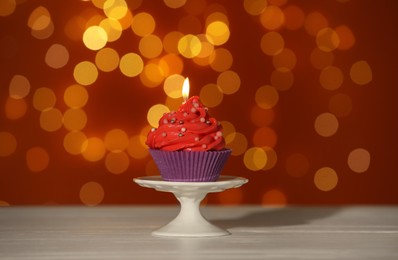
x: 190, y: 166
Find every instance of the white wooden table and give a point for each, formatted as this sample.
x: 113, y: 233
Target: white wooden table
x: 257, y: 233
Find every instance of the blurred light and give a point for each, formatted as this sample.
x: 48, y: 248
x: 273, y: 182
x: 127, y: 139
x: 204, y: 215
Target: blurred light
x: 340, y: 105
x: 44, y: 98
x: 189, y: 46
x: 155, y: 113
x: 326, y: 179
x: 282, y: 79
x: 229, y: 82
x: 327, y: 39
x: 272, y: 18
x: 75, y: 119
x: 8, y: 143
x: 116, y: 140
x: 115, y: 9
x: 285, y: 59
x: 274, y: 197
x: 265, y: 136
x: 272, y: 43
x: 75, y: 27
x: 175, y: 3
x: 7, y: 7
x: 331, y: 78
x: 170, y: 41
x: 95, y: 37
x: 297, y: 165
x: 51, y: 119
x: 254, y: 7
x: 113, y: 29
x: 171, y: 64
x: 39, y: 19
x: 272, y: 158
x: 19, y: 87
x: 221, y: 60
x: 37, y: 159
x: 85, y: 73
x: 262, y: 117
x: 143, y: 24
x: 131, y: 64
x: 152, y: 75
x: 15, y: 108
x: 321, y: 59
x: 117, y: 162
x: 210, y: 95
x: 326, y: 124
x: 73, y: 142
x: 172, y: 85
x: 217, y: 16
x: 126, y: 21
x: 98, y: 3
x: 255, y: 158
x: 218, y: 32
x: 93, y: 149
x: 294, y: 17
x: 75, y: 96
x: 57, y: 56
x: 228, y: 131
x: 347, y: 38
x: 150, y: 46
x: 266, y: 97
x: 91, y: 193
x: 239, y: 143
x: 230, y: 197
x: 359, y: 160
x: 44, y: 33
x: 361, y: 73
x: 137, y: 148
x: 315, y: 22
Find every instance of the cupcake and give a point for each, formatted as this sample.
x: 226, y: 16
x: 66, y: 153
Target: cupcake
x: 188, y: 145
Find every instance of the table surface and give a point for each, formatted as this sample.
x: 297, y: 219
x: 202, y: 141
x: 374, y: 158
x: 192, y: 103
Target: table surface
x: 124, y: 232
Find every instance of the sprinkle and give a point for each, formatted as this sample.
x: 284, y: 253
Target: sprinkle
x: 173, y: 120
x: 196, y: 139
x: 206, y: 109
x: 219, y: 134
x: 181, y: 122
x: 183, y: 129
x: 202, y: 119
x: 216, y: 137
x: 193, y: 110
x: 185, y: 114
x: 165, y: 121
x: 204, y: 146
x: 195, y: 104
x: 208, y: 122
x: 180, y: 134
x: 153, y: 129
x: 164, y: 134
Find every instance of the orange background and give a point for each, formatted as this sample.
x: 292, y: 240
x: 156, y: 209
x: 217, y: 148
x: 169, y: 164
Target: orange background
x: 292, y: 145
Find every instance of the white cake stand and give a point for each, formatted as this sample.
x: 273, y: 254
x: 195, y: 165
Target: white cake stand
x: 190, y: 221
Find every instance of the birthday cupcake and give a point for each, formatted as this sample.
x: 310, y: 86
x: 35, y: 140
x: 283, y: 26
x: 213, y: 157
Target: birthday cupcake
x: 188, y: 145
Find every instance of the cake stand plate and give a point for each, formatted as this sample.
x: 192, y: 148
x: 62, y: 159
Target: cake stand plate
x: 190, y: 221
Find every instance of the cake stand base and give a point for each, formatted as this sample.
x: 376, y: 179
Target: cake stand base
x: 190, y: 221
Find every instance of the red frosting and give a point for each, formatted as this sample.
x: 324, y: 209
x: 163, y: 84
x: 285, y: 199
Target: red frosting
x: 190, y: 128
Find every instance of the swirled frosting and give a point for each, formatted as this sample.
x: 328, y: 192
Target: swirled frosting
x: 190, y: 128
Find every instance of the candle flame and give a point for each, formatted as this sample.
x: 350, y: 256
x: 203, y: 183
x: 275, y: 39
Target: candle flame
x: 185, y: 89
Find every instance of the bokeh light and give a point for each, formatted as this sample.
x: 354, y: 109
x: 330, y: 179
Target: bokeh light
x: 359, y: 160
x: 9, y: 143
x: 326, y: 179
x: 19, y: 87
x: 91, y: 193
x: 37, y: 159
x: 131, y: 64
x: 326, y: 124
x: 57, y: 56
x: 361, y: 73
x: 85, y: 73
x: 95, y: 37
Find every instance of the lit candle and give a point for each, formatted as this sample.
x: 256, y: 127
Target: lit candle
x: 185, y: 90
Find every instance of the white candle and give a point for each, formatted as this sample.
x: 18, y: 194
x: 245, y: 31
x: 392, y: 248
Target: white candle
x: 185, y: 90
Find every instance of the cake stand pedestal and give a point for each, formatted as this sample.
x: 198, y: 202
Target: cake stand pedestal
x: 190, y: 221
